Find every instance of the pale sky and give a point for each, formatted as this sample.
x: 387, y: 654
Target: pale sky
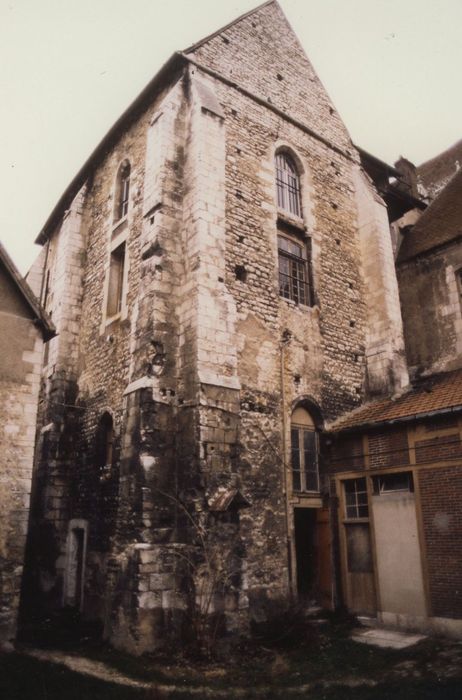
x: 71, y: 67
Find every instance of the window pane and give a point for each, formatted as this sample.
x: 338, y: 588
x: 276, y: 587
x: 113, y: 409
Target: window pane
x: 312, y: 483
x: 356, y: 503
x: 296, y: 482
x: 288, y: 184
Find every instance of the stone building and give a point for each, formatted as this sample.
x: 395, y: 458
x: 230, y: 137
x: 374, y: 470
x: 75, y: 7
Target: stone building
x: 23, y: 329
x: 222, y: 278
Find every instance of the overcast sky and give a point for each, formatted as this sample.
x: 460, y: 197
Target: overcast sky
x: 71, y: 67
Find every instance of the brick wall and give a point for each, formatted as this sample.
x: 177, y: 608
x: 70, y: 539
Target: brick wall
x: 441, y: 497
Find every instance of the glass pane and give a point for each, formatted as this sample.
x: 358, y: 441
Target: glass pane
x: 351, y: 512
x: 296, y: 482
x: 350, y: 499
x: 312, y: 481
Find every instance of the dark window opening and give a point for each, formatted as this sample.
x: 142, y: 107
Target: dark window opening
x: 241, y: 273
x: 105, y: 441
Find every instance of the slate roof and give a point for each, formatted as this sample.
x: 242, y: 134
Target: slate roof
x: 440, y: 393
x: 441, y: 167
x: 439, y: 224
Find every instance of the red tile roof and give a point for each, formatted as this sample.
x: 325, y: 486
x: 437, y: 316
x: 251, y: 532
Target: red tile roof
x: 442, y: 392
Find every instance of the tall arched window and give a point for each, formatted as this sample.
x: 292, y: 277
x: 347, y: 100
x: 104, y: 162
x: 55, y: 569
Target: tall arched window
x: 288, y: 184
x: 304, y: 451
x: 122, y: 191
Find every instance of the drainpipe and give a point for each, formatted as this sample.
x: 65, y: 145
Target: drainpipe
x: 285, y: 340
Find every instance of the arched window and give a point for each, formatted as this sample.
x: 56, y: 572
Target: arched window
x: 122, y: 191
x: 304, y: 451
x: 288, y: 184
x: 105, y: 441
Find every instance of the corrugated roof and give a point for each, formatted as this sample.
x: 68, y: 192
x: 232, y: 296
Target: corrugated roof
x: 439, y: 393
x: 439, y: 224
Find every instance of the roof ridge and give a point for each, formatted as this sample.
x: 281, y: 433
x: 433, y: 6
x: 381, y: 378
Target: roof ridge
x: 207, y: 38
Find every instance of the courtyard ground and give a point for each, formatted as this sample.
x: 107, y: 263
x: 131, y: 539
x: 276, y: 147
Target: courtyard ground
x: 320, y: 661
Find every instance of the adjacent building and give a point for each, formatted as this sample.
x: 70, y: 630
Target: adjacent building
x: 23, y: 330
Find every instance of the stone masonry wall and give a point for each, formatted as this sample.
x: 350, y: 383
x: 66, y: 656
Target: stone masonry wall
x: 432, y: 317
x: 21, y: 348
x: 201, y: 369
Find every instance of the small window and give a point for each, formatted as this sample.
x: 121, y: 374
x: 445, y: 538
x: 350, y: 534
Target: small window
x: 288, y: 185
x: 122, y: 191
x: 356, y: 499
x: 105, y: 441
x: 304, y: 452
x: 293, y: 270
x: 116, y: 281
x: 393, y: 483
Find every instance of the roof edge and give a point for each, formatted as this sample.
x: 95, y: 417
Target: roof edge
x: 175, y: 62
x: 41, y: 318
x: 428, y: 251
x: 207, y: 38
x: 411, y: 418
x: 389, y: 168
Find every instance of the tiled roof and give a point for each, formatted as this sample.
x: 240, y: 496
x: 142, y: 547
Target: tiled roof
x: 440, y: 223
x: 441, y: 167
x: 441, y: 392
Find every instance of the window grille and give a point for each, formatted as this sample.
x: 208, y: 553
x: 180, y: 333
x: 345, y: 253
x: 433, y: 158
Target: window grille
x: 288, y: 185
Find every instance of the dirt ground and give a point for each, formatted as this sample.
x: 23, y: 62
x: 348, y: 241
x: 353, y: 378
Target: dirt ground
x: 321, y: 662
